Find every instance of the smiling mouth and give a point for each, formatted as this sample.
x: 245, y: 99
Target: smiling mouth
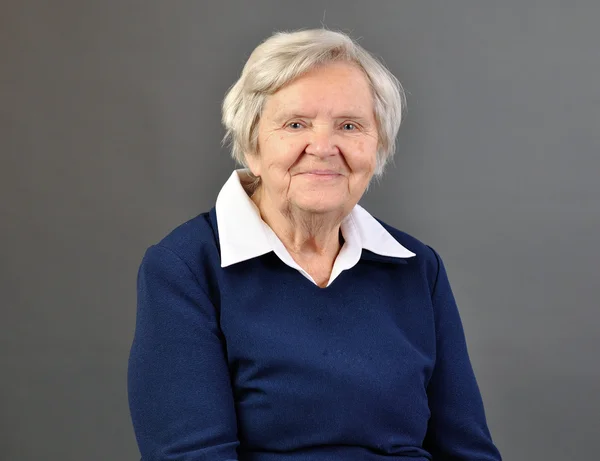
x: 321, y: 173
x: 322, y: 177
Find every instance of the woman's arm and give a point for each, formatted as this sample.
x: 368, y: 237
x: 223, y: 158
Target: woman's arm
x: 180, y: 394
x: 457, y: 428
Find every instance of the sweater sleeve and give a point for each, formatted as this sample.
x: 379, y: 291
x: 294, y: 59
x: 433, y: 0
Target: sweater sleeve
x: 180, y: 395
x: 457, y: 429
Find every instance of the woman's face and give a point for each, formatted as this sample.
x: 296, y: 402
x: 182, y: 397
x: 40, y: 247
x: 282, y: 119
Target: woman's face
x: 317, y: 141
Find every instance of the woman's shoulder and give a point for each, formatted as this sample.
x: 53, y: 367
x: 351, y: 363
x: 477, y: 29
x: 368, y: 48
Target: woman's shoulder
x: 195, y: 241
x: 426, y: 259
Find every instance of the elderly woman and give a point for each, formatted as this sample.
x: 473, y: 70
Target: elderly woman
x: 287, y: 323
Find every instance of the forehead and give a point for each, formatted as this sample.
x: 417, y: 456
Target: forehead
x: 333, y: 87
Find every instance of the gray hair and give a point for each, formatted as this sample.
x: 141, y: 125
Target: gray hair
x: 285, y: 56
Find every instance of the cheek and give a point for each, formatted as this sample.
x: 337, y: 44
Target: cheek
x: 363, y: 155
x: 291, y: 150
x: 279, y: 152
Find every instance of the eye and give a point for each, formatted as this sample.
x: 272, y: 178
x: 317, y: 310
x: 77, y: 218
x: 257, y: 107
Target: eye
x: 349, y: 126
x: 294, y: 125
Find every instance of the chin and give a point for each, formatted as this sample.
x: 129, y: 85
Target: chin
x: 320, y: 206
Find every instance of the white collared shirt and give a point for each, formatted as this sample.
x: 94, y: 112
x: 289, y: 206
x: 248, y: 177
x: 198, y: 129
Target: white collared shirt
x: 244, y: 235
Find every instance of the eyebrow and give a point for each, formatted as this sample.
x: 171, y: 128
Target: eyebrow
x: 290, y: 115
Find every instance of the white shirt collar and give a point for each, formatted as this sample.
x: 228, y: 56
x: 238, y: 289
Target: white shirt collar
x: 244, y: 235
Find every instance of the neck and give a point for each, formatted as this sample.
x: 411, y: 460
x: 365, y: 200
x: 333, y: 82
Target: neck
x: 305, y: 235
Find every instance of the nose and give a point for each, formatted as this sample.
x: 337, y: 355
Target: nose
x: 321, y: 142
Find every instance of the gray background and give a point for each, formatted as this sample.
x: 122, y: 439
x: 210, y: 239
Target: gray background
x: 110, y: 137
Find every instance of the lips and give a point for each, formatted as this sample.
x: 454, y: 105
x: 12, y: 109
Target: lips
x: 322, y: 172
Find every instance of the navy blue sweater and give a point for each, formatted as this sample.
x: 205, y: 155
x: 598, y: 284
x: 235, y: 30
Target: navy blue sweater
x: 255, y: 362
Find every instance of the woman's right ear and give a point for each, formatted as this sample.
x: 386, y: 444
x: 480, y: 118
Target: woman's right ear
x: 253, y: 162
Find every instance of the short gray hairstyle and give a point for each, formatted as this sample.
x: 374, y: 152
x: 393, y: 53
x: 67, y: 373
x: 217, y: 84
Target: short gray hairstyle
x: 285, y: 56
